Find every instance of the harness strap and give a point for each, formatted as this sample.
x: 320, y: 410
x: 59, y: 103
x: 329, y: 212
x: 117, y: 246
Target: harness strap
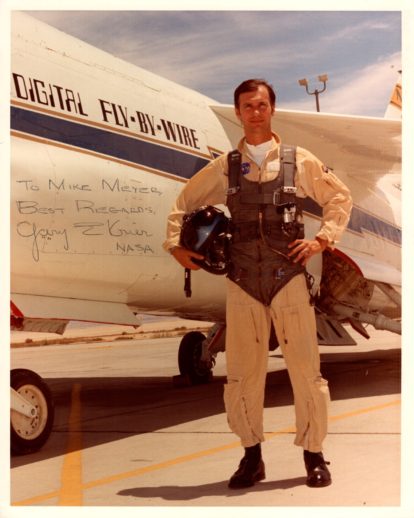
x: 234, y: 164
x: 288, y: 156
x: 288, y: 170
x: 267, y: 198
x: 187, y: 282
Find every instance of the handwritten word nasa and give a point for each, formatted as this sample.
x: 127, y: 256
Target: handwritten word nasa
x: 129, y: 248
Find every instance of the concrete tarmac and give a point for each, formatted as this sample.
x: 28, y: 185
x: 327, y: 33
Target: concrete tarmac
x: 125, y: 436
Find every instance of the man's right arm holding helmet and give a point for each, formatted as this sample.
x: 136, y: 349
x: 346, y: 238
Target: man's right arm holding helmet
x: 207, y: 187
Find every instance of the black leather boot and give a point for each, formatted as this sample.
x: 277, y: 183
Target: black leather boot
x: 317, y: 470
x: 251, y: 469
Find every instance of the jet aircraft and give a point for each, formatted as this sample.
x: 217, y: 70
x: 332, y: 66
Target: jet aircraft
x: 99, y: 151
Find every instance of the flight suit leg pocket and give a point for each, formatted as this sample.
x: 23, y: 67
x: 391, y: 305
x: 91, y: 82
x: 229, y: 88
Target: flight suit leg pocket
x: 298, y: 329
x: 244, y: 414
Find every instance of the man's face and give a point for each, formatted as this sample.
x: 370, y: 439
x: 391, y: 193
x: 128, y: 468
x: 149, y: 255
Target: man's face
x: 255, y: 110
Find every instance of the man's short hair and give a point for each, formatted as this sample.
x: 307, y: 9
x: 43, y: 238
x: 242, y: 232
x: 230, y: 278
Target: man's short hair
x: 251, y: 85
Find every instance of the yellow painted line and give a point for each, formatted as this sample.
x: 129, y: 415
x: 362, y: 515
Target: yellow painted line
x: 204, y: 453
x: 71, y: 477
x: 161, y: 465
x: 37, y: 499
x: 365, y: 410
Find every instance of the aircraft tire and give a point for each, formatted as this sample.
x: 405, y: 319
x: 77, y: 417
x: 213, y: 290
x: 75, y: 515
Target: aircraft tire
x: 189, y: 355
x: 28, y: 435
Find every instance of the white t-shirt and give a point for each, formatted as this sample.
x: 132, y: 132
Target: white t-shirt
x: 259, y: 152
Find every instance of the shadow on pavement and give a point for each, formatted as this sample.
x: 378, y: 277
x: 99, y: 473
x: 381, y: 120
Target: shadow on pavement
x: 114, y: 408
x: 185, y: 493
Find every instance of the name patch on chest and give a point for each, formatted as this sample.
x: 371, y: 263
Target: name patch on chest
x: 273, y: 167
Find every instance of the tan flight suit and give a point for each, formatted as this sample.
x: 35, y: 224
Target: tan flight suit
x: 249, y: 321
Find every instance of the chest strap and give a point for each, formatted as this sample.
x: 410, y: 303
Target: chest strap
x: 288, y: 168
x: 234, y: 166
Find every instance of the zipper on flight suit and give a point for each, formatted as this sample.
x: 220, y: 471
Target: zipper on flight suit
x: 258, y: 239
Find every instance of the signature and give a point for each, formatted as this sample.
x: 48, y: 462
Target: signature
x: 30, y: 230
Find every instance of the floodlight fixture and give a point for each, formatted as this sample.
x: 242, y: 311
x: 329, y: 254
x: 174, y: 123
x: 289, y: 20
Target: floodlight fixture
x: 323, y: 79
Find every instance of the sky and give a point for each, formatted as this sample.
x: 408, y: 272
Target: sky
x: 212, y: 51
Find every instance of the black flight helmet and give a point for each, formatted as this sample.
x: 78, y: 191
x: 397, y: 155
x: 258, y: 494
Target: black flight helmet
x: 207, y: 232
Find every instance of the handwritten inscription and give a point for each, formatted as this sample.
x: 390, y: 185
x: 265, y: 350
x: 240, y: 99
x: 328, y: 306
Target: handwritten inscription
x: 63, y: 185
x: 110, y: 228
x: 90, y: 207
x: 115, y: 185
x: 135, y: 247
x: 120, y: 219
x: 53, y: 239
x: 39, y: 236
x: 28, y: 207
x: 29, y: 185
x: 118, y: 186
x: 32, y: 207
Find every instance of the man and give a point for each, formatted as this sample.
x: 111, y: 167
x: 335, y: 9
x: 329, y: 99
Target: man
x: 266, y: 282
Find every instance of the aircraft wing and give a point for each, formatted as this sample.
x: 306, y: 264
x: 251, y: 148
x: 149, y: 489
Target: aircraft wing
x: 51, y: 314
x: 357, y: 145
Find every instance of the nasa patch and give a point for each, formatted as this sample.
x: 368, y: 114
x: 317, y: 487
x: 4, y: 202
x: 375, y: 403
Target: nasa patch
x: 245, y: 168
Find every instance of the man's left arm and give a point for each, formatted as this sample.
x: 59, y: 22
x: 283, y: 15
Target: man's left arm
x: 318, y: 182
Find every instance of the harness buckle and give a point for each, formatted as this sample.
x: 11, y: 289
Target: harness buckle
x: 276, y: 197
x: 232, y: 190
x: 289, y: 189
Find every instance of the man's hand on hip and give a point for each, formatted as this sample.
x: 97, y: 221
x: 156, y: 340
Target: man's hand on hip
x: 303, y: 249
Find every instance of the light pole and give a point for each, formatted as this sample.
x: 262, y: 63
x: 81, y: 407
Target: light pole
x: 323, y: 79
